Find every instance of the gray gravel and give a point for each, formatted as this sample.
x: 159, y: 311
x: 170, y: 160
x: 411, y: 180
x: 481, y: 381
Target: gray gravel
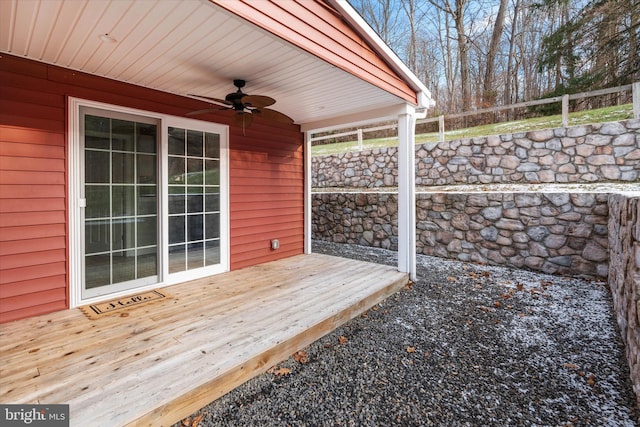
x: 466, y: 345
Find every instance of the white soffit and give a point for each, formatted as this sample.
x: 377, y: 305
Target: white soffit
x: 184, y: 47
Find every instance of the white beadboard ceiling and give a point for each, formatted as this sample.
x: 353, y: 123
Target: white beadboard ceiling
x: 183, y: 47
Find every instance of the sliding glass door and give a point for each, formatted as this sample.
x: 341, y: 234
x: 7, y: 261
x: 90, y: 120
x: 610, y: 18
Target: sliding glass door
x: 121, y: 213
x: 151, y: 199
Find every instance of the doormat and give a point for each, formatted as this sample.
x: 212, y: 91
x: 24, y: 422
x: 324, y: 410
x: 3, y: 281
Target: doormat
x: 119, y: 305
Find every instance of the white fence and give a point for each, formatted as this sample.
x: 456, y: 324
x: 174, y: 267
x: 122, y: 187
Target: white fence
x: 564, y: 100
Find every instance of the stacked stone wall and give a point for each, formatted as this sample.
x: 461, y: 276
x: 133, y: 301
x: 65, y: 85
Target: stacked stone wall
x: 558, y: 233
x: 580, y: 154
x: 624, y: 275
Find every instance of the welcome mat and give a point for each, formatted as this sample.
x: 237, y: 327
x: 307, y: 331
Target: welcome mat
x: 120, y: 305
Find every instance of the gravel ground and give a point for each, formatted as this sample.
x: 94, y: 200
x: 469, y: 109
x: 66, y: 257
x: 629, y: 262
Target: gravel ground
x: 466, y: 345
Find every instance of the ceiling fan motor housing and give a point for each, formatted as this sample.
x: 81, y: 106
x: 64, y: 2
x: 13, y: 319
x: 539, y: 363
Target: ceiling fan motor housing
x: 235, y: 98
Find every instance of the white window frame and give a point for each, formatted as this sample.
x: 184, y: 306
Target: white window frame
x: 76, y: 203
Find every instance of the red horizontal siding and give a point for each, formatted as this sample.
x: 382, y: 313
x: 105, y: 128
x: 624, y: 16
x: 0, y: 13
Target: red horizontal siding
x: 22, y: 274
x: 27, y: 232
x: 31, y: 205
x: 43, y: 244
x: 33, y: 249
x: 266, y: 179
x: 32, y: 218
x: 34, y: 136
x: 290, y: 206
x: 32, y: 286
x: 34, y: 177
x: 266, y: 170
x: 34, y: 259
x: 32, y: 310
x: 15, y: 308
x: 18, y: 149
x: 30, y: 191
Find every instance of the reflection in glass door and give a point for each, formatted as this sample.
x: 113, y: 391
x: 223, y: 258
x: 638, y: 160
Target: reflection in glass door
x: 194, y: 199
x: 121, y: 213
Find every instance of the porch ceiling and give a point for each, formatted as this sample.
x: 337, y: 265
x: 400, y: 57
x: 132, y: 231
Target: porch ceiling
x: 184, y: 47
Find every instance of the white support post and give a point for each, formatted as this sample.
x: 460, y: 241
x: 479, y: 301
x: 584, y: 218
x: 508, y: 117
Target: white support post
x: 307, y: 193
x: 441, y: 128
x: 565, y: 111
x: 359, y: 139
x: 635, y: 90
x: 407, y: 193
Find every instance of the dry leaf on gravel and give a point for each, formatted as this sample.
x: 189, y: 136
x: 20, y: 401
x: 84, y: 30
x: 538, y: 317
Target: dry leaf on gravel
x: 342, y: 339
x: 195, y: 422
x: 301, y: 357
x: 411, y: 349
x: 279, y: 372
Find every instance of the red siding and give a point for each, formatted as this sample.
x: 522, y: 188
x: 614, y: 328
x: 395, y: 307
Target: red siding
x: 267, y: 170
x: 266, y: 179
x: 318, y: 29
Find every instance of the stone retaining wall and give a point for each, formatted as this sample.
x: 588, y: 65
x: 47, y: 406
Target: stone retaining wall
x: 579, y: 154
x: 624, y: 275
x: 557, y: 233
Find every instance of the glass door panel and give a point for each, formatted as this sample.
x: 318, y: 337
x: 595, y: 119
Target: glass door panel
x: 194, y: 199
x: 121, y: 213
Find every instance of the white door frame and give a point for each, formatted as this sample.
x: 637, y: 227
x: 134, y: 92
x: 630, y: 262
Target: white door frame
x: 76, y: 203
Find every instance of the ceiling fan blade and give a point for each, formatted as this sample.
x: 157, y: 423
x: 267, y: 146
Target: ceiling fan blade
x: 206, y: 110
x: 243, y: 119
x: 221, y: 101
x: 258, y: 101
x: 276, y: 116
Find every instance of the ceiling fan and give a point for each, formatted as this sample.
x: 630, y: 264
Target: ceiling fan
x: 245, y: 107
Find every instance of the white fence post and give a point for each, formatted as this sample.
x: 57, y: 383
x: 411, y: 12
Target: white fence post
x: 359, y: 139
x: 565, y: 110
x: 441, y: 128
x: 635, y: 90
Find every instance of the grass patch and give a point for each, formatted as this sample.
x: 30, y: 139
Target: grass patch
x: 601, y: 115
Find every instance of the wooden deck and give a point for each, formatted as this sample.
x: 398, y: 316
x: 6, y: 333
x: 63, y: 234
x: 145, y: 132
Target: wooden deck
x: 167, y: 359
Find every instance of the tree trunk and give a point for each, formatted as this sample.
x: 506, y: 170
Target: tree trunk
x: 510, y: 60
x: 409, y: 7
x: 489, y: 94
x: 463, y: 50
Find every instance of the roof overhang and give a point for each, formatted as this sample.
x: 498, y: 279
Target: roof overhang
x: 198, y: 47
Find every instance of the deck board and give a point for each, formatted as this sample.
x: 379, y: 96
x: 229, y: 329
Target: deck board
x: 173, y: 356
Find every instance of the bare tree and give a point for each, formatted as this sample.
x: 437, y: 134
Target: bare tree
x: 511, y: 73
x: 457, y: 12
x: 384, y: 18
x: 489, y: 94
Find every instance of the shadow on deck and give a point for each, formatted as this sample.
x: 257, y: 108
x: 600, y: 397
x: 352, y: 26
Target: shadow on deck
x: 161, y: 362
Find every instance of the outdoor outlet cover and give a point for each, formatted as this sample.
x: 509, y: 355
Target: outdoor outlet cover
x: 275, y: 244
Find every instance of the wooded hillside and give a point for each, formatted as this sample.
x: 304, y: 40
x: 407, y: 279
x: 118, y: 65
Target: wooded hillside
x: 479, y: 53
